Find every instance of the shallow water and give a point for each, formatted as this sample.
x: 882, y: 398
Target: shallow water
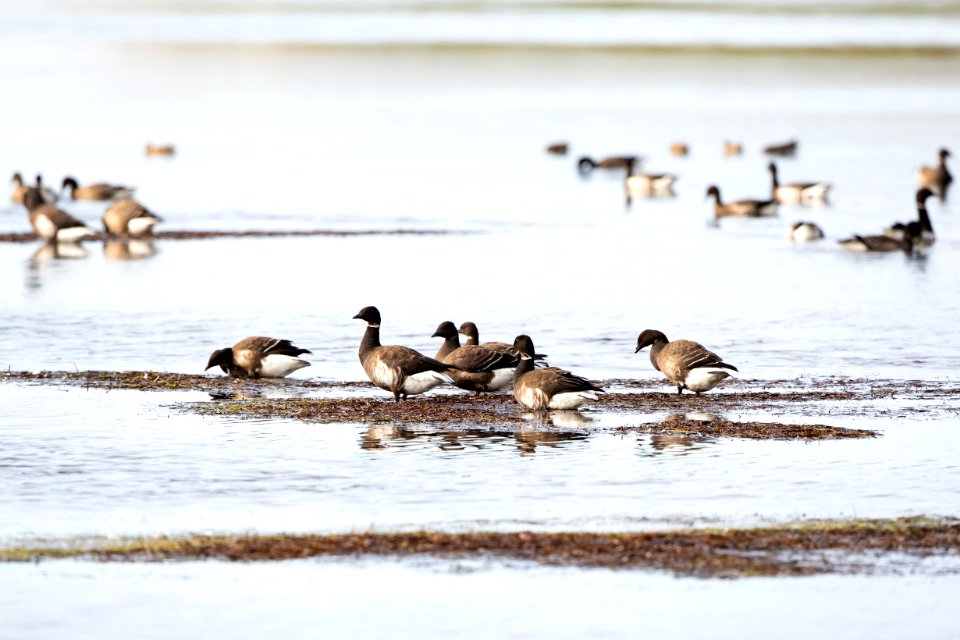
x: 431, y: 116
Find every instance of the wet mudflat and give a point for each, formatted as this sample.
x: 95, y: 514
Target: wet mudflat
x: 852, y: 547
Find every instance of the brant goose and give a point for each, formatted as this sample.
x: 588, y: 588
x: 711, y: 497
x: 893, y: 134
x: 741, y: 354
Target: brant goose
x: 477, y: 369
x: 688, y: 364
x: 470, y: 330
x: 129, y: 218
x: 797, y: 192
x: 937, y: 178
x: 921, y: 229
x: 732, y: 148
x: 741, y: 208
x: 885, y: 244
x: 96, y: 191
x: 785, y: 149
x: 586, y: 164
x: 259, y: 357
x: 400, y: 370
x: 648, y: 185
x: 679, y: 149
x: 550, y: 387
x: 53, y: 224
x: 558, y: 148
x: 804, y: 232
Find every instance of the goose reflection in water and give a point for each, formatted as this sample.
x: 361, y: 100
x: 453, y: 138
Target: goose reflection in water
x: 128, y: 249
x: 42, y: 261
x: 386, y: 436
x: 678, y: 444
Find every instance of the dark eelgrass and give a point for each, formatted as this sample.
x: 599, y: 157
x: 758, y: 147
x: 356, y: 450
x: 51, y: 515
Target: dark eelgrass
x: 806, y: 548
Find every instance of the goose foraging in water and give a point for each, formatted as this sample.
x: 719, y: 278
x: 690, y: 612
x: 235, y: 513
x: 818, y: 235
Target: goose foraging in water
x: 259, y: 357
x: 53, y: 224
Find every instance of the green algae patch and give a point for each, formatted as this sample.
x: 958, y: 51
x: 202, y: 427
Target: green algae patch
x: 807, y: 548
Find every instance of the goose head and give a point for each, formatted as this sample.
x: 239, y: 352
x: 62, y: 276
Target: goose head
x: 370, y: 314
x: 445, y: 330
x: 648, y: 337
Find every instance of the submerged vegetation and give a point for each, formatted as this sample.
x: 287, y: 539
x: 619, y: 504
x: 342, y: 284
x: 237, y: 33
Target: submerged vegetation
x: 858, y: 546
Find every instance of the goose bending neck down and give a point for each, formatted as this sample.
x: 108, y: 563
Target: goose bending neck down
x: 400, y: 370
x: 687, y: 364
x: 259, y: 357
x: 53, y: 224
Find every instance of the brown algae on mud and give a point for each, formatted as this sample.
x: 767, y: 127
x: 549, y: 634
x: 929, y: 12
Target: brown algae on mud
x: 818, y: 547
x: 242, y: 398
x: 23, y: 237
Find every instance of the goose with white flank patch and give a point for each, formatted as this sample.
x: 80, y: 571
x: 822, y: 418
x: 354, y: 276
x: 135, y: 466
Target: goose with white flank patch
x: 477, y: 369
x: 401, y: 370
x: 648, y: 185
x: 740, y: 208
x: 550, y: 387
x: 937, y: 178
x: 53, y: 224
x: 259, y: 357
x: 95, y: 191
x: 687, y: 364
x: 469, y: 329
x: 129, y: 218
x: 805, y: 232
x: 921, y: 229
x: 797, y: 192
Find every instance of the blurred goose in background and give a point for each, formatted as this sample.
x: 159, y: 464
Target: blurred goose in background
x: 740, y: 208
x: 53, y: 224
x: 558, y: 148
x: 804, y: 232
x: 160, y: 149
x: 797, y: 192
x: 687, y: 364
x: 550, y: 387
x: 648, y: 185
x: 937, y: 178
x: 259, y: 357
x: 881, y: 243
x: 20, y: 189
x: 129, y: 218
x: 469, y: 329
x: 477, y: 369
x: 679, y: 148
x: 96, y: 191
x: 586, y: 164
x: 921, y: 229
x: 732, y: 148
x: 400, y: 370
x: 784, y: 149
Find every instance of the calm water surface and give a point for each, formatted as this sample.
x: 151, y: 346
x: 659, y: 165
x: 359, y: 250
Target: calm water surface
x: 433, y: 116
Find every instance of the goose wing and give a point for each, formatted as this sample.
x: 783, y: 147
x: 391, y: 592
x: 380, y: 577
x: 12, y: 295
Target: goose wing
x: 476, y: 358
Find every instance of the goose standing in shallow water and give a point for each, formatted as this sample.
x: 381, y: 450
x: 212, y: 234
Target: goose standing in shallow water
x: 740, y: 208
x: 400, y: 370
x: 129, y: 218
x: 259, y: 357
x: 96, y: 191
x: 477, y: 369
x: 53, y: 224
x: 687, y: 364
x: 921, y: 229
x: 797, y: 192
x: 937, y: 178
x: 550, y: 387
